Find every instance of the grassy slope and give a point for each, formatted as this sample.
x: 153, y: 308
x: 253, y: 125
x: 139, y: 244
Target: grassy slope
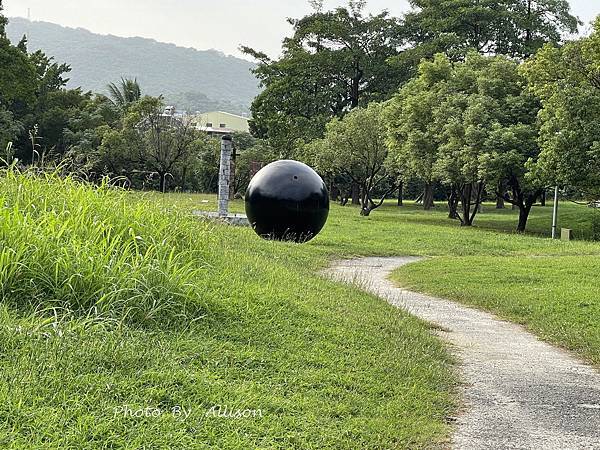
x: 549, y: 286
x: 107, y: 301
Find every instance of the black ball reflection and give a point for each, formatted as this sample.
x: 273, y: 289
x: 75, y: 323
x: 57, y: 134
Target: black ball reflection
x: 287, y: 201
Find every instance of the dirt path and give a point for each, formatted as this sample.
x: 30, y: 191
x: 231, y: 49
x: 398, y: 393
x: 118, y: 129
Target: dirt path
x: 519, y: 392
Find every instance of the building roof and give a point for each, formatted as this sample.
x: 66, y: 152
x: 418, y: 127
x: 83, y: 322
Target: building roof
x: 217, y: 130
x: 227, y: 114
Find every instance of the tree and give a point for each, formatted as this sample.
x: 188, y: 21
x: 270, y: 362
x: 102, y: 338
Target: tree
x: 151, y: 142
x: 84, y: 135
x: 355, y: 146
x: 3, y: 22
x: 32, y: 90
x: 9, y: 130
x: 463, y: 120
x: 507, y: 27
x: 513, y: 150
x: 335, y: 61
x: 489, y: 133
x: 17, y: 79
x: 125, y: 93
x: 258, y: 153
x: 412, y: 131
x: 567, y: 80
x: 469, y: 125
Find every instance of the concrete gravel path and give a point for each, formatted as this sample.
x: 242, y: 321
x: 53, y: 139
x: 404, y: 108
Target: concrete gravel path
x: 519, y: 392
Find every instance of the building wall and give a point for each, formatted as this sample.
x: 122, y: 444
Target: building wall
x: 218, y: 118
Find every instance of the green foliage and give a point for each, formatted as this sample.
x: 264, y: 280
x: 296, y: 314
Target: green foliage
x: 567, y: 80
x: 334, y: 61
x: 412, y: 131
x: 507, y: 27
x: 33, y: 97
x: 148, y: 142
x: 3, y: 22
x: 128, y: 91
x: 17, y: 79
x: 355, y: 147
x: 251, y: 154
x: 9, y: 129
x: 468, y: 124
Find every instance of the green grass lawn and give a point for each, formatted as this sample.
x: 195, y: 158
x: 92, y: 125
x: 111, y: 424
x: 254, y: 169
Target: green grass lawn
x: 549, y: 286
x: 112, y: 304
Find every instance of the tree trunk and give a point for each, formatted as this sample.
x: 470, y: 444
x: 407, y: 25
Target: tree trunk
x: 543, y: 198
x: 523, y: 216
x: 365, y: 204
x: 471, y: 198
x: 355, y: 89
x: 401, y: 194
x: 428, y: 197
x: 500, y: 203
x: 524, y: 202
x: 528, y: 31
x: 183, y: 178
x: 467, y: 194
x: 355, y: 193
x: 162, y: 177
x: 453, y: 203
x: 334, y: 192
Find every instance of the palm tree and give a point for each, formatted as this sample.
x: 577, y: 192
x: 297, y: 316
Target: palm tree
x: 125, y: 93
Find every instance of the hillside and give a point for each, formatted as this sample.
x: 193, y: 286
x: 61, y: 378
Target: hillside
x: 192, y: 79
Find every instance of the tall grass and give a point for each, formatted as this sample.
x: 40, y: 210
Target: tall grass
x: 93, y: 252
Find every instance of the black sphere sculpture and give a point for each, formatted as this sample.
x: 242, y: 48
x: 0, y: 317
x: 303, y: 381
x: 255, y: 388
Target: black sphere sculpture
x: 287, y: 201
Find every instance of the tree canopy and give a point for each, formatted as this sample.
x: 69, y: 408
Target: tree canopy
x: 470, y: 125
x: 506, y: 27
x: 355, y: 147
x: 334, y: 61
x: 567, y: 81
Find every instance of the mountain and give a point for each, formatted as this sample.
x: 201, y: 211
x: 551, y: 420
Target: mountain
x: 192, y: 79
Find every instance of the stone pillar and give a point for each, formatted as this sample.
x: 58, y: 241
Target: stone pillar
x: 232, y: 178
x: 225, y: 175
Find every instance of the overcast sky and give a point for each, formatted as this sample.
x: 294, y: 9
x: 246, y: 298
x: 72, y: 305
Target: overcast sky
x: 222, y: 25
